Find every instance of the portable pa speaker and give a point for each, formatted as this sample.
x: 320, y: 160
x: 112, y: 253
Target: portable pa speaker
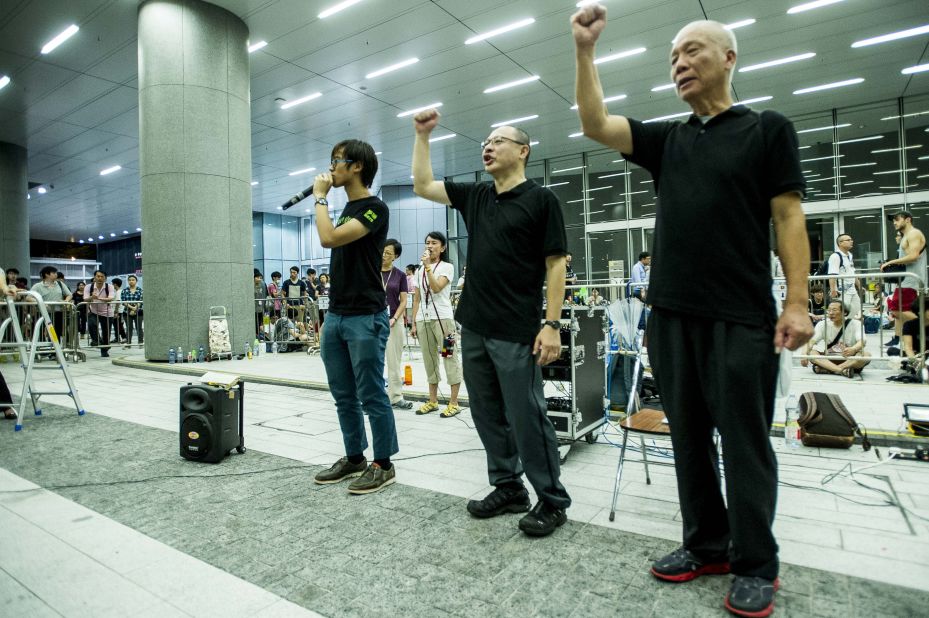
x: 211, y: 422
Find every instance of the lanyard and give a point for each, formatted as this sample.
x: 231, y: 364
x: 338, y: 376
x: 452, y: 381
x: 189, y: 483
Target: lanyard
x: 389, y: 275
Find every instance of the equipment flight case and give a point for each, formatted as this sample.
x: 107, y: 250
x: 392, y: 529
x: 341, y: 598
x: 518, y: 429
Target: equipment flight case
x: 580, y: 374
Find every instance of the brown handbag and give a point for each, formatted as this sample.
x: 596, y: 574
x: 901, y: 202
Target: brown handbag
x: 826, y: 422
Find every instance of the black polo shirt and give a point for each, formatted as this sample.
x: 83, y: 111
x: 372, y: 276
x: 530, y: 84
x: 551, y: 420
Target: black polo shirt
x: 509, y: 237
x: 715, y: 182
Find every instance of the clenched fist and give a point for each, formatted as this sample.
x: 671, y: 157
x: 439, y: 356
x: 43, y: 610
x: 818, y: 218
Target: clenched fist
x: 322, y: 184
x: 587, y: 24
x: 426, y: 121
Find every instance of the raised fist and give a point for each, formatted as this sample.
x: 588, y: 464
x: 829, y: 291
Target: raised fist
x: 587, y: 24
x: 426, y: 121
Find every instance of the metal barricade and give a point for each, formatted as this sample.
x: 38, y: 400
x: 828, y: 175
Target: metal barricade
x: 107, y: 331
x: 303, y: 316
x: 30, y: 348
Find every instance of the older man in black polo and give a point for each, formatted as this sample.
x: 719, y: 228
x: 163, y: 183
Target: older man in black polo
x: 516, y: 241
x: 713, y: 334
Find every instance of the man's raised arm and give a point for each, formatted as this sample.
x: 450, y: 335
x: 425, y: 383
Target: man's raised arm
x: 424, y: 183
x: 596, y: 123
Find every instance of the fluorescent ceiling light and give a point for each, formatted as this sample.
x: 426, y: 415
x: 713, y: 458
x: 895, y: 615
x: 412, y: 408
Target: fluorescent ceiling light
x: 42, y: 190
x: 923, y: 158
x: 569, y: 169
x: 865, y: 216
x: 393, y: 67
x: 504, y: 123
x: 486, y: 35
x: 61, y: 38
x: 617, y: 160
x: 112, y: 234
x: 337, y: 7
x: 138, y: 229
x: 600, y: 188
x: 254, y: 182
x: 906, y: 115
x: 668, y: 117
x: 378, y: 153
x: 100, y: 236
x: 859, y: 165
x: 257, y: 46
x: 578, y: 134
x: 518, y: 82
x: 618, y: 97
x: 584, y: 3
x: 416, y: 110
x: 110, y: 170
x: 533, y: 143
x: 847, y: 82
x: 612, y: 203
x: 858, y: 182
x: 4, y: 80
x: 558, y: 184
x: 612, y: 175
x: 583, y: 199
x: 893, y: 36
x: 909, y: 169
x: 897, y: 149
x: 310, y: 97
x: 860, y: 139
x: 124, y: 232
x: 837, y: 126
x: 622, y: 54
x: 822, y: 179
x: 804, y: 147
x: 663, y: 87
x: 820, y: 158
x: 739, y: 24
x: 779, y: 61
x: 919, y: 68
x: 807, y: 6
x: 81, y: 241
x: 303, y: 171
x: 755, y: 100
x: 442, y: 137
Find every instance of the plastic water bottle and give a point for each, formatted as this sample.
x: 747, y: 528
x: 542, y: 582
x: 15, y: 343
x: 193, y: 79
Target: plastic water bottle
x: 172, y: 356
x: 180, y: 354
x: 791, y: 423
x: 274, y: 348
x: 248, y: 350
x: 190, y: 356
x: 257, y: 347
x: 201, y: 356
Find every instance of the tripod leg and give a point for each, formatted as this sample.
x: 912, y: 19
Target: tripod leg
x: 619, y: 475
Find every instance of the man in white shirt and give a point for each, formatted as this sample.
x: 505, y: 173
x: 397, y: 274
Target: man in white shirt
x: 640, y: 275
x: 846, y: 287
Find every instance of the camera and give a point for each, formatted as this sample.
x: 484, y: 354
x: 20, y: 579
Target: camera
x: 448, y: 345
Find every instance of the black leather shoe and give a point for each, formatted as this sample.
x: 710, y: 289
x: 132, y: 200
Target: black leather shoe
x: 542, y: 519
x: 503, y: 499
x: 751, y: 596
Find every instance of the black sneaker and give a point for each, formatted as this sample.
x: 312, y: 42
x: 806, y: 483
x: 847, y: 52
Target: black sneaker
x: 503, y: 499
x: 682, y: 566
x: 542, y: 519
x: 341, y: 470
x: 751, y: 596
x: 894, y: 341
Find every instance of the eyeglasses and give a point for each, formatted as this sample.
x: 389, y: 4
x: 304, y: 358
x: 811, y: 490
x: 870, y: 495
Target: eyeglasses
x: 334, y: 162
x: 498, y: 141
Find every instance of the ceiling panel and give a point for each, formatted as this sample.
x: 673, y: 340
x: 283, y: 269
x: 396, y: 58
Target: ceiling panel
x: 76, y: 110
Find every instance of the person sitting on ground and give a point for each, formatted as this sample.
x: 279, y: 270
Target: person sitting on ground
x: 910, y: 332
x: 836, y: 335
x: 595, y: 300
x: 817, y: 303
x: 286, y: 331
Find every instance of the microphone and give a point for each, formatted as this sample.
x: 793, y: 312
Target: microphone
x: 298, y: 198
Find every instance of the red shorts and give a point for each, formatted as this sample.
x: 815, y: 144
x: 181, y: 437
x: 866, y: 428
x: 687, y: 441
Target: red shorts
x: 901, y: 300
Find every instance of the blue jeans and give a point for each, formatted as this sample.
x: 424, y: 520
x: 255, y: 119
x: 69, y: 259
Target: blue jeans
x: 352, y: 348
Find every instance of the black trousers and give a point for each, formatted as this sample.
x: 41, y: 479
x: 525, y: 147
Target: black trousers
x: 6, y: 398
x: 99, y: 328
x: 714, y: 374
x: 134, y: 322
x: 509, y: 412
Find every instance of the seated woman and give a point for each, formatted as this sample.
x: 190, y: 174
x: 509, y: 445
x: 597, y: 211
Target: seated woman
x: 836, y: 336
x: 817, y: 303
x: 910, y: 332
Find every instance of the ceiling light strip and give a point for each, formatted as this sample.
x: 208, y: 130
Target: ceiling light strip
x: 847, y: 82
x: 809, y: 6
x: 301, y: 100
x: 518, y: 82
x: 622, y: 54
x: 391, y: 68
x: 777, y: 62
x: 61, y: 38
x: 336, y: 8
x: 893, y: 36
x: 505, y: 123
x: 416, y: 110
x: 486, y: 35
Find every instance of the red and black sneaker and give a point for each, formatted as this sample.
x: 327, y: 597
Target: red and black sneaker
x: 682, y: 566
x: 752, y: 597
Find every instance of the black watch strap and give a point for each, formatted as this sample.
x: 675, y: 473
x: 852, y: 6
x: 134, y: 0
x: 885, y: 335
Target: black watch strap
x: 554, y: 324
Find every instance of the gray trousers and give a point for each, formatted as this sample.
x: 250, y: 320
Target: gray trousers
x: 508, y: 407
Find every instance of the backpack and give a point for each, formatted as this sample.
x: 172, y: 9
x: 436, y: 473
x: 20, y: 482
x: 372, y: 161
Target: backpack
x: 282, y: 335
x: 825, y: 421
x: 824, y: 267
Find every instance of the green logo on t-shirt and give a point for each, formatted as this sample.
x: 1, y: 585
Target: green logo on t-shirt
x: 370, y: 216
x: 342, y: 220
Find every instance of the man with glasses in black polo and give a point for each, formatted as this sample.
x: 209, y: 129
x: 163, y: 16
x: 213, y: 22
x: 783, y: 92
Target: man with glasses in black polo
x: 516, y: 242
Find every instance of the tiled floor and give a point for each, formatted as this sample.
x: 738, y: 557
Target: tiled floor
x: 840, y: 526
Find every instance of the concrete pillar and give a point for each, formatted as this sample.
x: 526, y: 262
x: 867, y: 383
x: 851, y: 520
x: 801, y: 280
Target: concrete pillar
x: 14, y: 216
x: 195, y: 170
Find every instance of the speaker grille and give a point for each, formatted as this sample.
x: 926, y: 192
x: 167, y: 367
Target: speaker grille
x: 196, y: 436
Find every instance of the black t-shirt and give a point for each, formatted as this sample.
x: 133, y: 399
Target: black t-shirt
x: 509, y: 237
x: 715, y: 183
x: 310, y: 288
x: 355, y: 287
x: 911, y: 328
x: 289, y: 289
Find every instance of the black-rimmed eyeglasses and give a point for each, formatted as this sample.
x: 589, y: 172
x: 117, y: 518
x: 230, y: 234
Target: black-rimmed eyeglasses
x: 498, y: 141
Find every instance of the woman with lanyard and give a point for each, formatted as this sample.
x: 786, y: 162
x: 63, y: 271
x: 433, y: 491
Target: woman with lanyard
x: 434, y: 323
x: 395, y: 287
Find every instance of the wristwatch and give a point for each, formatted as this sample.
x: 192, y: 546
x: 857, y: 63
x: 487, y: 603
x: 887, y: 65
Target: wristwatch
x: 554, y: 324
x: 322, y: 200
